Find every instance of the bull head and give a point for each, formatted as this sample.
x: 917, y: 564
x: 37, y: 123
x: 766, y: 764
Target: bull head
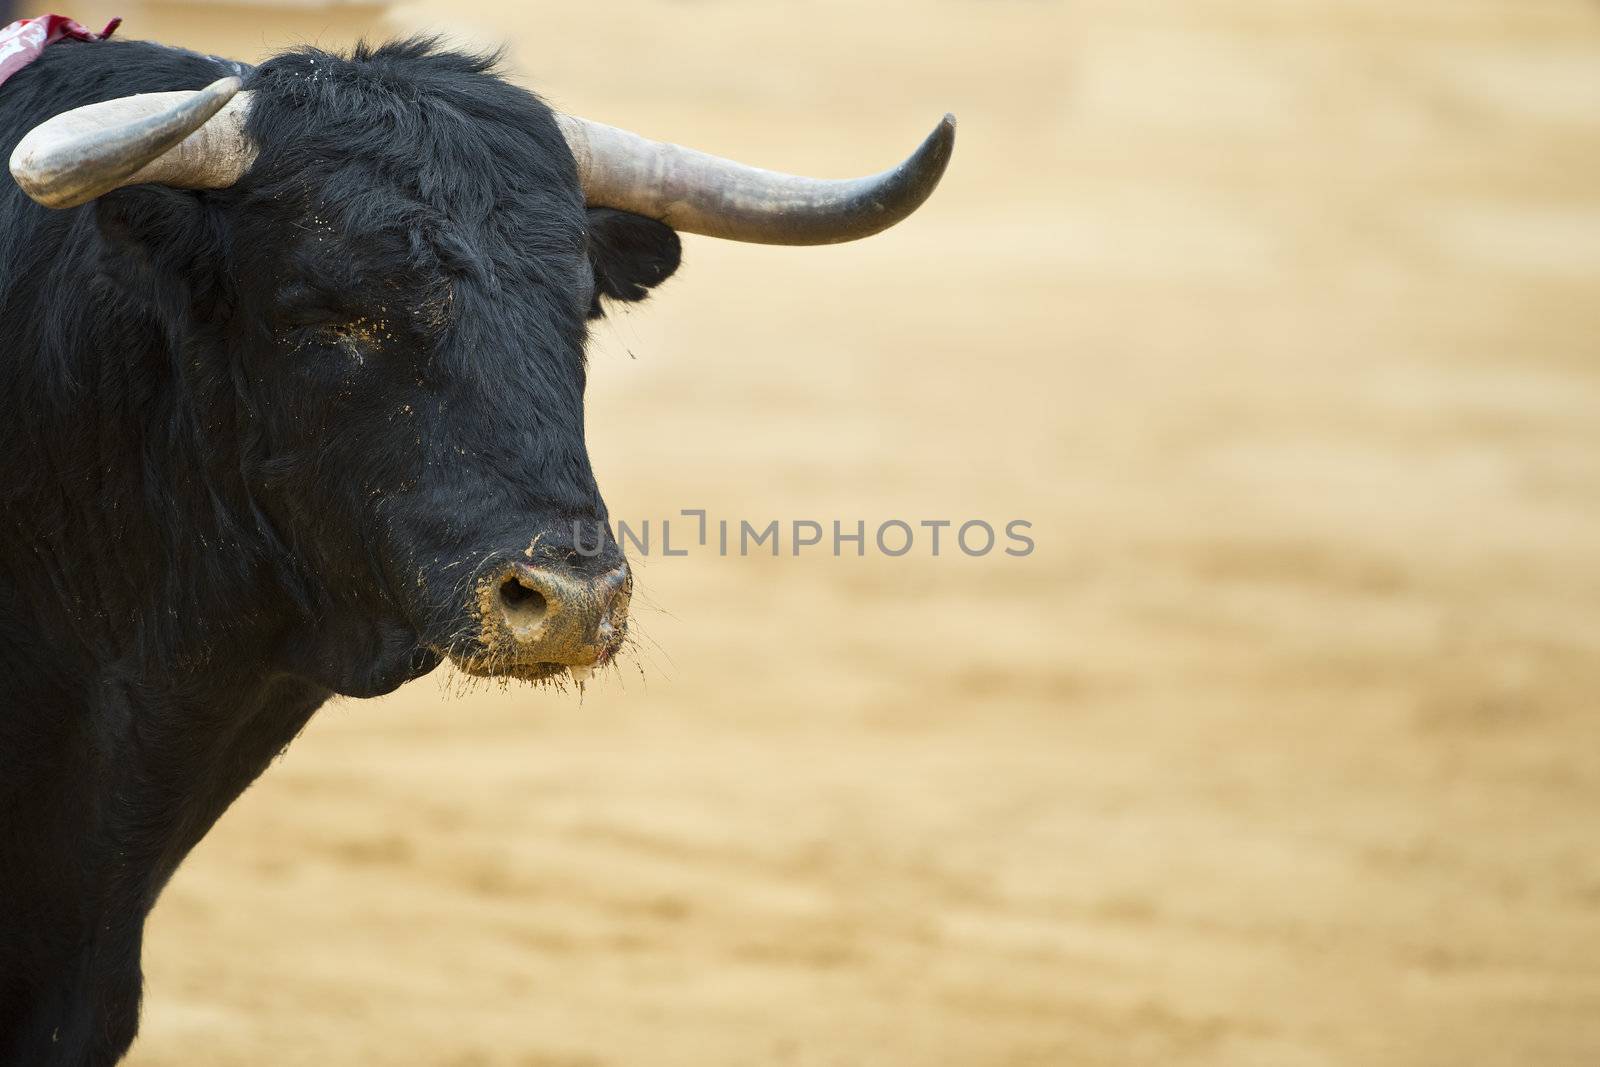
x: 197, y: 140
x: 418, y: 430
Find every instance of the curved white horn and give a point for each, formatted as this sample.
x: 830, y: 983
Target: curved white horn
x: 700, y: 193
x: 193, y: 139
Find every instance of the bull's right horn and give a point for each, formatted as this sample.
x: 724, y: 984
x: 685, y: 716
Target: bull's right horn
x: 193, y: 139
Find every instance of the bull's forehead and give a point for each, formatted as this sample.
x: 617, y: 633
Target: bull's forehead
x: 423, y: 186
x: 441, y: 128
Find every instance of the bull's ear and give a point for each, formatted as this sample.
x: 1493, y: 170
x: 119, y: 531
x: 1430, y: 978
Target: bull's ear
x: 631, y: 255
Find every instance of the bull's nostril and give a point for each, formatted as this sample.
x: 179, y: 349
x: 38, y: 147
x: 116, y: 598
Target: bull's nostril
x: 522, y: 605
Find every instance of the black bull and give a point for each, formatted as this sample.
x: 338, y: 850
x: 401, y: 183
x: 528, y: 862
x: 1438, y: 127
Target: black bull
x: 306, y: 435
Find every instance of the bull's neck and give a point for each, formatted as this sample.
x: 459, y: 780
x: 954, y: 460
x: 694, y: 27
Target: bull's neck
x: 127, y: 530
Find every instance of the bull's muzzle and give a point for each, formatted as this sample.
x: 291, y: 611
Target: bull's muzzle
x: 538, y: 621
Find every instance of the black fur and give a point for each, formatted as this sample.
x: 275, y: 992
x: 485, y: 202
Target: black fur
x: 257, y: 444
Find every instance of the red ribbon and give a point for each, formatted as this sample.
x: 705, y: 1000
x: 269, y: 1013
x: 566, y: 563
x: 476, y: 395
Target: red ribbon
x: 22, y: 41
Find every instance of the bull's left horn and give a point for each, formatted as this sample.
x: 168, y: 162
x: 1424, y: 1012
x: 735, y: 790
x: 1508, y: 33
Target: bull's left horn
x: 700, y: 193
x: 193, y: 139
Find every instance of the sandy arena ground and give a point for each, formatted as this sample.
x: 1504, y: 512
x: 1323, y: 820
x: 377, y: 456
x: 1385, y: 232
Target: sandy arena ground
x: 1277, y: 319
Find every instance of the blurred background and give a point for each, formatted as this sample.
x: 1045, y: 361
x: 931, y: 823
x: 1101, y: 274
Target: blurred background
x: 1276, y: 318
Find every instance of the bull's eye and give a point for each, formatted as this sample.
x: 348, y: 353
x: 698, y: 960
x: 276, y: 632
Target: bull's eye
x: 361, y: 332
x: 355, y: 335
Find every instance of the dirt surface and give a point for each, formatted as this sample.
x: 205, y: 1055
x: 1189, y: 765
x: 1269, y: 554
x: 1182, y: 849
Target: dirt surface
x: 1277, y: 320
